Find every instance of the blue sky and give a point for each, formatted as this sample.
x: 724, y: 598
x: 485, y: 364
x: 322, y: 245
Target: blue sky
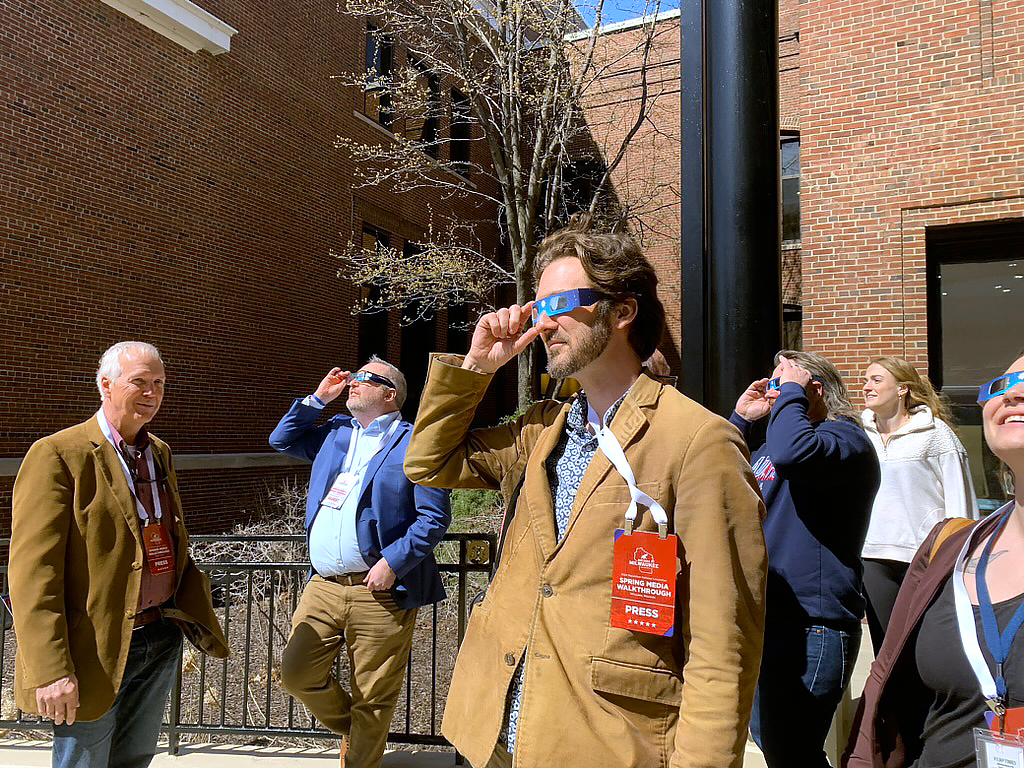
x: 620, y: 10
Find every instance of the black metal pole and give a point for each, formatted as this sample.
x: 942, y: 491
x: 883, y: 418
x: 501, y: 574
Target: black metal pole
x: 730, y: 240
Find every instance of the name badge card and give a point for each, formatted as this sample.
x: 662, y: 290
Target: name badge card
x: 995, y: 751
x: 159, y: 552
x: 342, y: 487
x: 644, y: 582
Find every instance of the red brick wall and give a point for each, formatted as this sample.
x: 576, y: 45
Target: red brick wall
x: 911, y: 118
x: 648, y: 178
x: 188, y: 200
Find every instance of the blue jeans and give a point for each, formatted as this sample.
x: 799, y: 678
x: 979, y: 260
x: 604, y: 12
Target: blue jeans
x: 804, y: 672
x: 125, y: 737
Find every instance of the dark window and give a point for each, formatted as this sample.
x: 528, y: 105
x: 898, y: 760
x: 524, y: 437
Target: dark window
x: 373, y: 321
x: 790, y: 164
x: 424, y: 127
x: 975, y: 304
x: 461, y: 139
x: 379, y: 66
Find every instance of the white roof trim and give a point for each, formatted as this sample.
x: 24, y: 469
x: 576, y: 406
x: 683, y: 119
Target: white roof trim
x: 182, y: 21
x: 620, y: 26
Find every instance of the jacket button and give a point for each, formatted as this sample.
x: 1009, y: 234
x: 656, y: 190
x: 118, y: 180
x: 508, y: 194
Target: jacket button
x: 136, y: 566
x: 129, y: 613
x: 510, y: 659
x: 547, y: 591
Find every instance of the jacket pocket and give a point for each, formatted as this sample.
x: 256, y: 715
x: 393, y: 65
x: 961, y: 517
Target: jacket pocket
x: 635, y: 681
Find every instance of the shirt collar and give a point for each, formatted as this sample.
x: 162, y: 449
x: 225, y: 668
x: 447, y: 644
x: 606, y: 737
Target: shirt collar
x: 108, y: 430
x: 379, y: 425
x: 577, y: 418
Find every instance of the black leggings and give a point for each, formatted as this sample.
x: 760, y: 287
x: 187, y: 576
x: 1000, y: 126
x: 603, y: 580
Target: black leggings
x: 882, y: 579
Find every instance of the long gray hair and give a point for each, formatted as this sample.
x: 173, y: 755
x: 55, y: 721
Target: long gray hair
x: 833, y: 389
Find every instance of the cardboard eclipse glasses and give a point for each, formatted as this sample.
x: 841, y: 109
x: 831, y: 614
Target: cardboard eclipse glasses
x: 566, y: 301
x: 366, y: 377
x: 999, y: 385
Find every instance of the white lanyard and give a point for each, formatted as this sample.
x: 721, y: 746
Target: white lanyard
x: 350, y: 455
x: 609, y: 445
x: 969, y: 630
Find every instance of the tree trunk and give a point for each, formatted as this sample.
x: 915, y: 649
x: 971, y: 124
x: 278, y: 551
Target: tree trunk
x: 527, y: 381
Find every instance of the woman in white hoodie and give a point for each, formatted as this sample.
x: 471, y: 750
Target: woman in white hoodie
x: 925, y: 478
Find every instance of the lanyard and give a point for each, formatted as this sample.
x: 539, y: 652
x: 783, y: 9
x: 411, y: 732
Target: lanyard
x: 129, y: 475
x: 610, y: 447
x: 993, y: 689
x: 350, y: 455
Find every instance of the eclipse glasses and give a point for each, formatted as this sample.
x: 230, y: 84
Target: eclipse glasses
x: 999, y: 385
x: 366, y: 377
x: 566, y: 301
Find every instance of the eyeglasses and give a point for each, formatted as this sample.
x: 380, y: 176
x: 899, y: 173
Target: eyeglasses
x: 566, y: 301
x: 999, y: 385
x: 777, y: 382
x: 366, y: 377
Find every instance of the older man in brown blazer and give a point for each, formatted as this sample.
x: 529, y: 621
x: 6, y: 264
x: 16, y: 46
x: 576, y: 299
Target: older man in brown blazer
x: 102, y: 585
x: 557, y: 667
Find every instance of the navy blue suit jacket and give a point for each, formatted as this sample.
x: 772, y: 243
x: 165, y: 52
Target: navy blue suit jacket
x: 395, y: 519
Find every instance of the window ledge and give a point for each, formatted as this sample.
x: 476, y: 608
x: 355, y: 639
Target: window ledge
x: 182, y: 21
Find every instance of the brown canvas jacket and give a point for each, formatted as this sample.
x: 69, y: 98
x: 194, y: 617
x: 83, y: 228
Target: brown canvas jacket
x: 592, y: 693
x: 75, y: 569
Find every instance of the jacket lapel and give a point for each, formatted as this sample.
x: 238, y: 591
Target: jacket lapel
x: 378, y: 458
x: 535, y: 498
x: 110, y: 467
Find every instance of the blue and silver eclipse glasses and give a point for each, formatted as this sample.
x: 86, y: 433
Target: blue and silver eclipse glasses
x: 999, y: 385
x: 566, y: 301
x: 774, y: 383
x: 366, y: 377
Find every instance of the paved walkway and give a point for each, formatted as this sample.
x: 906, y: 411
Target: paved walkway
x: 34, y: 754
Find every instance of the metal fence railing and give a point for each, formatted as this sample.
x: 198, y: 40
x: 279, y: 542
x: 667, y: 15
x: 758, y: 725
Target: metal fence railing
x: 256, y: 583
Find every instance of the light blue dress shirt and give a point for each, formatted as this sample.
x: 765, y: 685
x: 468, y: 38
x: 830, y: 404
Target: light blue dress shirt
x: 333, y: 544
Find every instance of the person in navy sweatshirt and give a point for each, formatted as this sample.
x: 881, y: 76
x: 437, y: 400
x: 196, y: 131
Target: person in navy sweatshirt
x: 818, y: 474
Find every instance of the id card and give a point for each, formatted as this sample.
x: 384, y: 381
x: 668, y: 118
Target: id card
x: 998, y: 751
x: 159, y: 552
x: 644, y: 582
x: 343, y: 485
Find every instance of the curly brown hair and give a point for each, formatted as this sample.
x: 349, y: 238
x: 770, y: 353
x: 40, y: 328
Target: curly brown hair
x: 615, y: 265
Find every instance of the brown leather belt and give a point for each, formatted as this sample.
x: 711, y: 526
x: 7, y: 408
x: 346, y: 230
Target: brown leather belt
x: 347, y: 579
x: 148, y: 616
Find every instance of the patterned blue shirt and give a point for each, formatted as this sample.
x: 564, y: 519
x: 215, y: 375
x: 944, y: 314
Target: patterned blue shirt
x: 565, y: 466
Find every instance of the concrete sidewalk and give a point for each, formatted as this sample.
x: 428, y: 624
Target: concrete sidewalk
x: 36, y: 754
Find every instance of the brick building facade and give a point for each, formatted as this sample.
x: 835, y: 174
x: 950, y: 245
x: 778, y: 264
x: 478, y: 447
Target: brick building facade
x: 191, y: 200
x: 902, y: 133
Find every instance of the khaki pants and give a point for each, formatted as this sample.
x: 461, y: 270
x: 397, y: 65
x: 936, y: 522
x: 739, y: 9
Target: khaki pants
x: 377, y: 635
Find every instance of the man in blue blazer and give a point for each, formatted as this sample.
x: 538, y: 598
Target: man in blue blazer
x: 371, y: 536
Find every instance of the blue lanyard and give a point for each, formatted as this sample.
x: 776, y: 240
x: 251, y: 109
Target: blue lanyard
x: 998, y: 643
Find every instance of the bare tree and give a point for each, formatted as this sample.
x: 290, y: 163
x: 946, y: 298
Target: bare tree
x: 519, y: 77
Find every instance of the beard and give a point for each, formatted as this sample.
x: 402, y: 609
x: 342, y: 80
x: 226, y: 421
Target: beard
x: 587, y: 347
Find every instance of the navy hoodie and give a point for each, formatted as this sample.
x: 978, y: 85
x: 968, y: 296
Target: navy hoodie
x: 818, y: 482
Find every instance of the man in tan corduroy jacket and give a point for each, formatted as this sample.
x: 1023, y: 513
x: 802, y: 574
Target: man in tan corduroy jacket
x: 542, y: 678
x: 102, y: 584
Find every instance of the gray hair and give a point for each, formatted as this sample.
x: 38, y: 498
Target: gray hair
x: 396, y: 376
x: 833, y: 389
x: 110, y: 361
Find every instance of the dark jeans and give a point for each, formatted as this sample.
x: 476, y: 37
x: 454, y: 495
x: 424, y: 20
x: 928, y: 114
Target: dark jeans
x: 125, y: 737
x: 882, y: 580
x: 804, y: 672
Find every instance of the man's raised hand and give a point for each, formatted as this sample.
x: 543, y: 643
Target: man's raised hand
x: 332, y: 384
x: 499, y: 336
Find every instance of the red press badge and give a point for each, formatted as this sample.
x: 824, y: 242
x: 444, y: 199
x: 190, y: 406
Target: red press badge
x: 644, y: 582
x: 159, y: 552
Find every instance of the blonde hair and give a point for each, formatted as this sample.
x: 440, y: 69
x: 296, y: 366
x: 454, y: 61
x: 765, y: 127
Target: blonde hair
x: 919, y: 388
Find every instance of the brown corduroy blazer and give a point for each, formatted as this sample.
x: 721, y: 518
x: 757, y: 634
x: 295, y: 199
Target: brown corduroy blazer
x: 594, y: 694
x: 75, y: 569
